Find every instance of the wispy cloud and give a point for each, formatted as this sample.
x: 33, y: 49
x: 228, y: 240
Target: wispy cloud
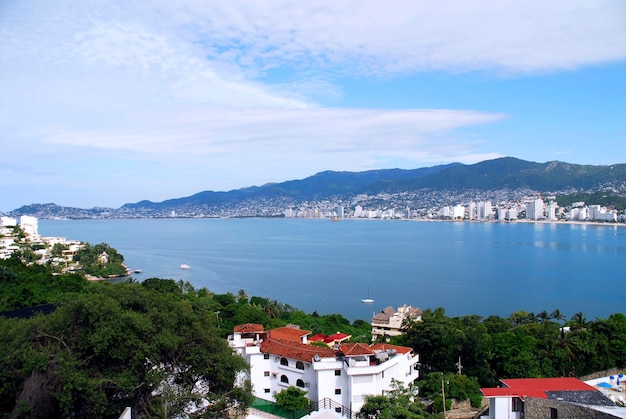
x: 195, y: 82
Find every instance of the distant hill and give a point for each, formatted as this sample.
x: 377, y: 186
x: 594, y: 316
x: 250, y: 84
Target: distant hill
x: 319, y: 186
x: 445, y: 181
x: 512, y: 173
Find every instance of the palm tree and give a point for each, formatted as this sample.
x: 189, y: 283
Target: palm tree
x: 242, y: 296
x: 579, y: 321
x: 543, y: 317
x: 557, y: 315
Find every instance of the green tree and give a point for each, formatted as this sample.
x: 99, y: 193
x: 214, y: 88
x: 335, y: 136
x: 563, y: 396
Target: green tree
x: 398, y: 403
x: 292, y: 399
x: 121, y: 345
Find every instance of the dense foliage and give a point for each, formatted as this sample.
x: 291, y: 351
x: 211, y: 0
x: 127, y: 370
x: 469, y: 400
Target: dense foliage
x: 153, y: 347
x: 101, y: 260
x: 398, y: 403
x: 524, y: 345
x: 26, y: 286
x: 160, y: 347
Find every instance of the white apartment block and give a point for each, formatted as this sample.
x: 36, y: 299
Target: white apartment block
x: 471, y: 211
x: 600, y: 213
x: 579, y: 214
x: 280, y: 358
x: 388, y: 322
x: 534, y: 210
x: 8, y: 222
x: 484, y: 210
x: 458, y: 212
x: 30, y: 226
x: 551, y: 211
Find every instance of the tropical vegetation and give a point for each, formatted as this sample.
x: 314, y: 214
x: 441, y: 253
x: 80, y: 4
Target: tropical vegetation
x: 160, y: 347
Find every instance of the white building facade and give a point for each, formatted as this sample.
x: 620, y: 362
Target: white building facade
x: 280, y: 358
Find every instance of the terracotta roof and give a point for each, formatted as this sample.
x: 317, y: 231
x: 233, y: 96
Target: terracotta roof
x: 248, y: 328
x: 289, y: 333
x: 536, y: 387
x: 385, y: 346
x: 294, y: 350
x: 354, y: 349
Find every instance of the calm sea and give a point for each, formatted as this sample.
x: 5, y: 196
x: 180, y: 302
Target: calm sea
x: 467, y: 268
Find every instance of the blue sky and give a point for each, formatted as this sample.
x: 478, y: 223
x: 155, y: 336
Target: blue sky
x: 109, y: 102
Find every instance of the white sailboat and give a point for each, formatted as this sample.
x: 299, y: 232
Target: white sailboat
x: 367, y: 300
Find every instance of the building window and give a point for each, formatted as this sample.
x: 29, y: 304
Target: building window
x: 337, y: 391
x: 300, y: 365
x: 267, y: 390
x: 266, y: 356
x: 337, y: 372
x: 553, y: 413
x: 518, y: 406
x: 284, y: 379
x: 300, y: 383
x: 266, y: 373
x: 284, y: 361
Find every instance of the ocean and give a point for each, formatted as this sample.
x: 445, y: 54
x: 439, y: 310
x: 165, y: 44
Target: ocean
x: 464, y: 267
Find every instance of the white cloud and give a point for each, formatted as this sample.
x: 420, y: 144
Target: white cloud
x: 188, y: 87
x: 373, y: 37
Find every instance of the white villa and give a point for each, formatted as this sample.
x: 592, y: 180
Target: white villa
x: 388, y: 322
x: 345, y: 374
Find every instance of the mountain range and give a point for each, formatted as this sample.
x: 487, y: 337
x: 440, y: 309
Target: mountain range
x: 504, y: 177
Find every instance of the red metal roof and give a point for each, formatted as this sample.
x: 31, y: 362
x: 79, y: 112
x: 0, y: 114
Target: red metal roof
x: 337, y: 337
x: 317, y: 338
x: 536, y: 387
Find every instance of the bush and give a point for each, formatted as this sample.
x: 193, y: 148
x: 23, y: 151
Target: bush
x: 476, y: 400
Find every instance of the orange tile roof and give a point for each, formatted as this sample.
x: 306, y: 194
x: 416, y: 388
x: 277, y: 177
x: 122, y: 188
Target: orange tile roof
x: 536, y: 387
x: 248, y: 328
x: 295, y: 350
x: 289, y: 333
x: 354, y: 349
x: 385, y: 346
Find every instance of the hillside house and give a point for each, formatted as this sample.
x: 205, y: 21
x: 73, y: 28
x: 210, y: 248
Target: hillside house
x: 345, y: 374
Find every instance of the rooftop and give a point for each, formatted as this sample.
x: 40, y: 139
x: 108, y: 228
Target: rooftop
x: 540, y: 388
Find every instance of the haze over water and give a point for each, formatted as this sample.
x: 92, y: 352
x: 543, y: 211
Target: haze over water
x: 467, y: 268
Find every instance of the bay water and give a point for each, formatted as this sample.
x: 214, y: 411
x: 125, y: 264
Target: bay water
x: 466, y: 268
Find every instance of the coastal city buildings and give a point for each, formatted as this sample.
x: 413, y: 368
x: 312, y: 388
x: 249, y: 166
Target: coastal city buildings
x: 14, y: 237
x: 344, y: 373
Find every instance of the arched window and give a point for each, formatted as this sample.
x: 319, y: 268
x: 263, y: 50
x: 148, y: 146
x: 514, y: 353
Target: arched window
x: 300, y: 365
x: 284, y: 361
x: 284, y: 379
x: 300, y: 383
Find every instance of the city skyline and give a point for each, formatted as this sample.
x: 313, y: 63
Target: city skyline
x: 112, y: 102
